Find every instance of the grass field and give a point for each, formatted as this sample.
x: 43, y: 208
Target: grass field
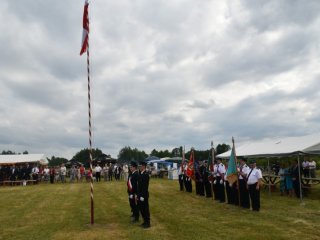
x: 61, y: 211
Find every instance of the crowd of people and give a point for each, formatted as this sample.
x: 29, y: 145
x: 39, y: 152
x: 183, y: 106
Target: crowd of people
x: 77, y: 173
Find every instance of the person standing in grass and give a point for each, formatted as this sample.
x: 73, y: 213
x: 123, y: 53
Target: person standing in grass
x: 63, y: 173
x: 254, y: 183
x: 243, y: 171
x: 220, y: 172
x: 282, y: 180
x: 133, y: 181
x: 143, y: 195
x: 98, y: 170
x: 288, y: 181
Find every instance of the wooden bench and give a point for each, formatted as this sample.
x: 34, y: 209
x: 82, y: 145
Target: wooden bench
x: 17, y: 182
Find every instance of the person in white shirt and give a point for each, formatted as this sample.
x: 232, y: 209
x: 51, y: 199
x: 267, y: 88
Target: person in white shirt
x: 63, y: 173
x: 312, y: 168
x: 254, y: 182
x: 243, y: 172
x: 98, y: 170
x: 46, y: 171
x: 220, y: 172
x: 35, y: 173
x: 305, y: 168
x: 125, y: 172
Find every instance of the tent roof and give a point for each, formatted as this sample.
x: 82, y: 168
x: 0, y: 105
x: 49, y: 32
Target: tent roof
x: 278, y: 147
x: 23, y: 158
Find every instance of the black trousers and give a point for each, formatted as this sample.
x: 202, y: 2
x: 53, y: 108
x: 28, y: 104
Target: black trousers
x: 144, y: 210
x: 98, y: 176
x: 188, y: 184
x: 254, y: 196
x: 221, y: 192
x: 207, y: 186
x: 244, y: 194
x: 134, y: 208
x: 181, y: 182
x: 235, y: 193
x: 215, y: 190
x: 296, y: 187
x: 230, y: 193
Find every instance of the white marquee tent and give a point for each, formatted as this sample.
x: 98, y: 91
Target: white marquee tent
x: 23, y: 158
x: 278, y: 147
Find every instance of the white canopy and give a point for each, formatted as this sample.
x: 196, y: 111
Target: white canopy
x: 278, y: 147
x: 23, y: 158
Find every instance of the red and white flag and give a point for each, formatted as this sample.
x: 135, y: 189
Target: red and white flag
x: 85, y: 33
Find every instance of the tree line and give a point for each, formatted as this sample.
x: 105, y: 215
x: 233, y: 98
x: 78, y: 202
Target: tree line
x: 127, y: 154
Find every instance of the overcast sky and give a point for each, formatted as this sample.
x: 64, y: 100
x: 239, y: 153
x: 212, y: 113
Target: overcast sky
x: 164, y: 73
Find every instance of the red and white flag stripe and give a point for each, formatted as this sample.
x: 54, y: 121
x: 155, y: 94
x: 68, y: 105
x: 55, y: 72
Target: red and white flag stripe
x: 85, y: 33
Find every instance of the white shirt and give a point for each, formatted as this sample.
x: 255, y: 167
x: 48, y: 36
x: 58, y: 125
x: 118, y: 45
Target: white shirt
x: 244, y: 169
x: 98, y: 169
x: 46, y: 171
x: 305, y: 164
x: 63, y: 171
x: 312, y: 165
x: 254, y: 176
x: 35, y: 170
x: 220, y: 169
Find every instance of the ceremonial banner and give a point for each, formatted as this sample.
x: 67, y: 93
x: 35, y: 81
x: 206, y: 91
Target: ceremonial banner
x: 232, y: 174
x: 85, y: 32
x: 190, y: 168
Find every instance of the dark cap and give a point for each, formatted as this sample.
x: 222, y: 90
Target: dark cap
x: 133, y: 164
x: 143, y: 163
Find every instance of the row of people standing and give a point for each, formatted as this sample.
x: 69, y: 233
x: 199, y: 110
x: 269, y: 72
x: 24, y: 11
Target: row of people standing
x: 215, y: 183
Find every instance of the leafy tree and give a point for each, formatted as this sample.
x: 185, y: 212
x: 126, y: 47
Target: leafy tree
x: 56, y: 161
x: 127, y: 154
x: 84, y: 155
x: 9, y: 152
x: 25, y: 152
x: 221, y: 148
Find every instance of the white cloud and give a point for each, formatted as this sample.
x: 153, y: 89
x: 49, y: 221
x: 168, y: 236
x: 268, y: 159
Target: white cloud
x: 163, y: 74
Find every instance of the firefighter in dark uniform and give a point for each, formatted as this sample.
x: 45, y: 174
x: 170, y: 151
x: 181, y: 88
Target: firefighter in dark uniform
x: 206, y: 181
x: 202, y: 172
x: 243, y: 175
x: 254, y: 183
x: 181, y: 177
x: 143, y: 195
x: 133, y: 182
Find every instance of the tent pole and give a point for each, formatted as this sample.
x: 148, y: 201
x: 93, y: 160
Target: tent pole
x: 299, y: 178
x: 269, y: 177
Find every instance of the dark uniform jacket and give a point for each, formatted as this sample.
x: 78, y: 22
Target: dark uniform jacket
x: 144, y: 185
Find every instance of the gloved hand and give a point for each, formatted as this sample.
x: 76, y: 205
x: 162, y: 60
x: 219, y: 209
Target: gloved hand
x: 141, y: 199
x: 221, y: 181
x: 131, y: 196
x: 215, y: 181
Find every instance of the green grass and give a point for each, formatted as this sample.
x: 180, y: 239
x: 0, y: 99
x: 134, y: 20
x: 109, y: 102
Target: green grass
x: 62, y: 211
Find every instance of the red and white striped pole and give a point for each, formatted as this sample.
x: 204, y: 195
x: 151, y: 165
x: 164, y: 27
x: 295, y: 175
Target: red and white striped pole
x: 85, y: 47
x: 90, y: 136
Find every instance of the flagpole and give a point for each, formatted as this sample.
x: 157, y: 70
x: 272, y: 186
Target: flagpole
x: 85, y: 47
x: 236, y: 159
x: 90, y: 136
x: 212, y: 164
